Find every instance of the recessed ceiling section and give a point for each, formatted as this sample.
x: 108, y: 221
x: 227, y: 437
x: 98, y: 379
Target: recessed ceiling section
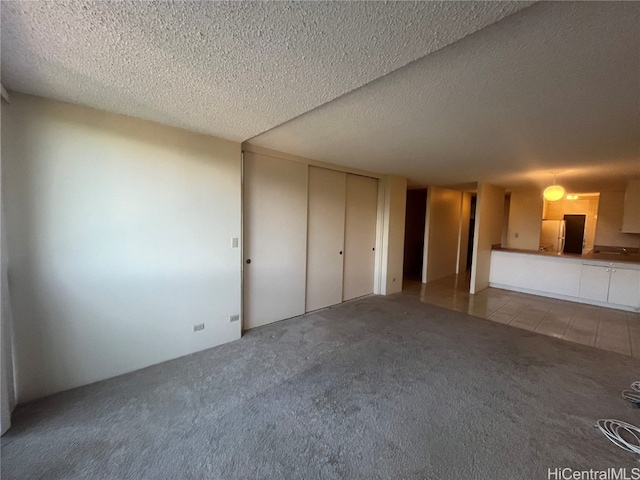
x: 229, y: 69
x: 555, y: 87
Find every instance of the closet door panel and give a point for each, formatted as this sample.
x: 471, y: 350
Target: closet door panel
x: 360, y: 236
x: 325, y: 248
x: 274, y: 239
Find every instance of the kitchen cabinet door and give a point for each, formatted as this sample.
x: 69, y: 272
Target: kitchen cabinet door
x: 624, y: 287
x: 594, y: 283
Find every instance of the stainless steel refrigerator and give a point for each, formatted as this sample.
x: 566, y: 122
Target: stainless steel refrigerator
x: 552, y: 235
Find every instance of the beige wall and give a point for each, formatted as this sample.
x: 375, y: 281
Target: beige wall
x: 442, y: 230
x: 488, y: 231
x: 391, y: 217
x: 609, y: 227
x: 525, y: 216
x: 119, y: 238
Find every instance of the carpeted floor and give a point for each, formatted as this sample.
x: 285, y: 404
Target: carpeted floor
x: 381, y: 387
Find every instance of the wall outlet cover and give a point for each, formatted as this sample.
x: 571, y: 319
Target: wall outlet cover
x: 198, y: 327
x: 234, y: 318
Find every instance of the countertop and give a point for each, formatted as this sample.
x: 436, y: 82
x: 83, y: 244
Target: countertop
x: 605, y: 257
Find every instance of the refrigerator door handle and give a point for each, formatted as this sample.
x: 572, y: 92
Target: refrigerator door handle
x: 562, y: 236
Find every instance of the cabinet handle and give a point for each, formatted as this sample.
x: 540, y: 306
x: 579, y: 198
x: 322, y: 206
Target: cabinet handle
x: 613, y: 270
x: 340, y: 252
x: 607, y: 269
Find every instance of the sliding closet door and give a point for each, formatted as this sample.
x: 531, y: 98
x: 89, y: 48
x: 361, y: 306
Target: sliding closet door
x: 325, y: 249
x: 274, y: 239
x: 360, y: 236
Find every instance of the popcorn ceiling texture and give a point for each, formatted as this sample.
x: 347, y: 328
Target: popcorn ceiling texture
x: 228, y: 69
x: 555, y: 87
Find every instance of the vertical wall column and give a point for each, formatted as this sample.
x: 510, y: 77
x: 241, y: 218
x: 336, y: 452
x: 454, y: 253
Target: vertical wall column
x: 442, y: 232
x: 488, y: 231
x: 392, y: 202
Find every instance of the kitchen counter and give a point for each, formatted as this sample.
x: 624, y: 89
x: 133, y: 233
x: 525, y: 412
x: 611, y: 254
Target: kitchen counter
x: 605, y: 257
x: 603, y: 279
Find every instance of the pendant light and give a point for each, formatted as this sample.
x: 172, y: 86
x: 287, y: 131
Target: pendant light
x: 554, y: 192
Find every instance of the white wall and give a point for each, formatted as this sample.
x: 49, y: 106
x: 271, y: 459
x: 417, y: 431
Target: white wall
x: 488, y: 231
x: 119, y: 236
x: 525, y: 218
x: 442, y: 231
x: 391, y: 217
x: 608, y: 229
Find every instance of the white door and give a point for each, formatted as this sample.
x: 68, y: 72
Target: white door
x: 624, y: 288
x: 594, y: 283
x: 274, y: 239
x: 360, y: 236
x: 325, y: 248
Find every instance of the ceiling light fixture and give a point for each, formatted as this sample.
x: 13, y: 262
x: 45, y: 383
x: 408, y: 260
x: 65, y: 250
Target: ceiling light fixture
x: 554, y: 192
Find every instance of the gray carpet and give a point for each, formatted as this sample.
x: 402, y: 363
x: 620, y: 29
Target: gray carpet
x: 382, y: 387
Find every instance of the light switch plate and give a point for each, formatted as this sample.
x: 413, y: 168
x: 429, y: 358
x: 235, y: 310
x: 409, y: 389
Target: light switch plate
x: 234, y: 242
x: 234, y: 318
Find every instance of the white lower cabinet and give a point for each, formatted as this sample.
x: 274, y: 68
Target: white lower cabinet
x: 597, y: 282
x: 594, y: 282
x: 624, y: 287
x: 611, y: 284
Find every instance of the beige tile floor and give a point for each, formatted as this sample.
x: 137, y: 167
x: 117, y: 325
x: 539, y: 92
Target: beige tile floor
x: 599, y: 327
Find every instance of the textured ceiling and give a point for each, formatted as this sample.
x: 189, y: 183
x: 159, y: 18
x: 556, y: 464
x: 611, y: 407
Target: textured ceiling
x: 229, y: 69
x: 555, y: 87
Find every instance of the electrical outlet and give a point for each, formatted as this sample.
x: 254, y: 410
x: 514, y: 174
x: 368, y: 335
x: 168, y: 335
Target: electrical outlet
x: 198, y: 327
x: 234, y: 242
x: 234, y: 318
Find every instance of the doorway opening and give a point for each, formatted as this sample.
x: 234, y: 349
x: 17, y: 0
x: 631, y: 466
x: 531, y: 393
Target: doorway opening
x: 414, y: 233
x: 472, y: 224
x: 574, y: 233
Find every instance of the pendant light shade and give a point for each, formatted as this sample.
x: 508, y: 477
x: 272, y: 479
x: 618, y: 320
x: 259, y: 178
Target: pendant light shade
x: 554, y: 192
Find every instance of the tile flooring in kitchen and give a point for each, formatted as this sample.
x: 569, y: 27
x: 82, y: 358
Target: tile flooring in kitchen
x: 599, y: 327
